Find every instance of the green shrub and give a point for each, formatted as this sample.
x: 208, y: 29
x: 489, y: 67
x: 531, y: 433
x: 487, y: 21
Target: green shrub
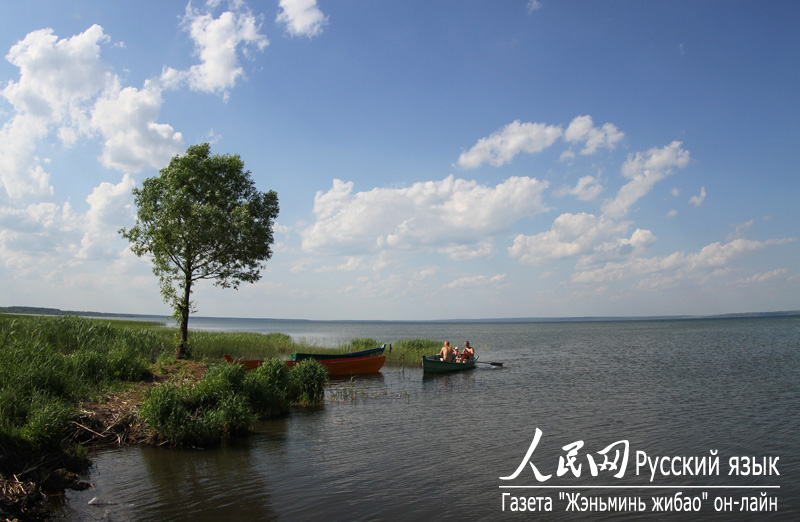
x: 307, y: 382
x: 225, y: 402
x: 221, y: 380
x: 266, y: 388
x: 165, y: 410
x: 232, y: 415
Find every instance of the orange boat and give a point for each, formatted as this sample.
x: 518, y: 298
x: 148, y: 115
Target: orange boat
x: 336, y: 367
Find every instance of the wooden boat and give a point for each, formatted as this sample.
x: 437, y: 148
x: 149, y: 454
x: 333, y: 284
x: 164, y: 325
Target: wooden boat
x: 335, y: 367
x: 432, y: 364
x: 320, y: 356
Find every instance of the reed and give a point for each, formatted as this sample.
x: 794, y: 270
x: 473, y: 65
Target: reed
x: 409, y: 352
x: 49, y: 364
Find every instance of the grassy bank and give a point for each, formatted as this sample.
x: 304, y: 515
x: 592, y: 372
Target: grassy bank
x: 68, y: 383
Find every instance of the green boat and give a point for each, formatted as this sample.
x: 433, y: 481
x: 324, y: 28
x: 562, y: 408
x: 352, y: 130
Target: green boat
x: 372, y: 352
x: 432, y: 364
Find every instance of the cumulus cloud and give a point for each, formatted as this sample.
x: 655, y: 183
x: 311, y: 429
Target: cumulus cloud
x: 109, y: 206
x: 534, y: 5
x: 218, y: 43
x: 588, y: 188
x: 56, y: 75
x: 476, y: 281
x: 133, y: 140
x: 57, y: 80
x: 301, y: 17
x: 698, y: 200
x: 764, y: 277
x: 65, y: 87
x: 574, y: 235
x: 442, y: 213
x: 668, y: 269
x: 644, y: 170
x: 502, y: 146
x: 582, y: 130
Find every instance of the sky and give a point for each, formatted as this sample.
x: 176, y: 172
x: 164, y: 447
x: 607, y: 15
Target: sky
x: 446, y: 159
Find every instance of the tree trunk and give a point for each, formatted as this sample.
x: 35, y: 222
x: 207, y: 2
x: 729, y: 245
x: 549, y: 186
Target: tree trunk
x: 184, y: 309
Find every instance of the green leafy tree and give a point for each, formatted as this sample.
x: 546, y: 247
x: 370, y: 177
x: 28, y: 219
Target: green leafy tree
x: 202, y: 218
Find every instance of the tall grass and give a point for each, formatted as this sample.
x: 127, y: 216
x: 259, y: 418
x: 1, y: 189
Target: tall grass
x: 409, y: 352
x: 48, y: 364
x: 212, y: 345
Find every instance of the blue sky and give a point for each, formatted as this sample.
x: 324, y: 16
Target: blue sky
x: 433, y: 159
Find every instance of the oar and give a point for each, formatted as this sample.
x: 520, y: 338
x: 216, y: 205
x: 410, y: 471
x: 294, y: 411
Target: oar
x: 492, y: 363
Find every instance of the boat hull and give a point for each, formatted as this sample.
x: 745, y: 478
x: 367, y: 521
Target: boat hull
x: 432, y: 364
x: 335, y: 367
x: 352, y: 355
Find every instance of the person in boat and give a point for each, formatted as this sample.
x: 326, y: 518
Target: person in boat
x: 447, y: 353
x: 468, y: 353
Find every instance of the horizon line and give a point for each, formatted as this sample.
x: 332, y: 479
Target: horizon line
x: 33, y: 310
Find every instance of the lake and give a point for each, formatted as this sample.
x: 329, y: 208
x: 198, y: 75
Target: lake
x: 671, y: 415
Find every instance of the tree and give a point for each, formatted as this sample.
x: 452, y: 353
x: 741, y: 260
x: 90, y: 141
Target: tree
x: 202, y: 218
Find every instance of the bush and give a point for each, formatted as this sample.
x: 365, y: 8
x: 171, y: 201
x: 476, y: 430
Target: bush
x: 307, y: 382
x: 165, y: 410
x: 225, y: 402
x: 266, y: 388
x: 221, y: 380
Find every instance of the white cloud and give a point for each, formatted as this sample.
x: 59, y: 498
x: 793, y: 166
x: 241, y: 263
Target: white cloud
x: 644, y: 171
x: 218, y: 42
x: 575, y: 235
x: 301, y: 17
x: 501, y: 147
x: 476, y: 281
x: 133, y: 140
x: 482, y: 249
x: 55, y: 75
x: 351, y: 264
x: 667, y: 270
x: 698, y: 200
x: 582, y: 130
x: 764, y: 277
x: 440, y: 214
x: 110, y: 206
x: 65, y: 86
x: 588, y: 188
x: 57, y: 80
x: 739, y: 229
x: 534, y: 5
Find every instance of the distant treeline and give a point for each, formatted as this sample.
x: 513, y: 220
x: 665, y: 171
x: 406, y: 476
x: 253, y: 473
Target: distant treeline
x: 35, y: 310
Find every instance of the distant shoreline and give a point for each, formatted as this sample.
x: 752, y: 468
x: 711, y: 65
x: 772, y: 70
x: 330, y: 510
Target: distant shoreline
x: 32, y: 310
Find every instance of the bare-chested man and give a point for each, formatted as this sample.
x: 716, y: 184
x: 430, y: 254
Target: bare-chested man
x: 447, y: 354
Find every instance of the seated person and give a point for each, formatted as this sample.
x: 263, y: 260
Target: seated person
x: 468, y: 353
x: 447, y: 354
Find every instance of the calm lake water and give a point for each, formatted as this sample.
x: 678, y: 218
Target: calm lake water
x: 403, y: 446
